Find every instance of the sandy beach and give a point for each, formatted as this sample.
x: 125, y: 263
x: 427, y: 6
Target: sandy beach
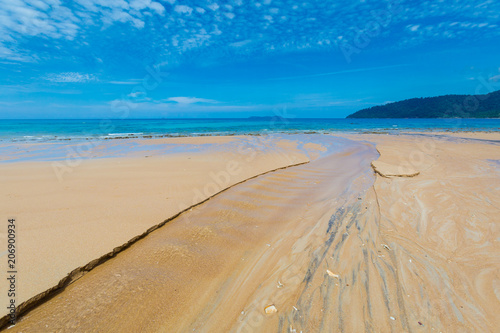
x: 311, y: 233
x: 249, y: 166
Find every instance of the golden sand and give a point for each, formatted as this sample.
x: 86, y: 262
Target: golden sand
x: 321, y: 247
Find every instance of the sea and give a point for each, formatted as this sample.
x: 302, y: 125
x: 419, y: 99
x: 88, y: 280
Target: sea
x: 64, y: 130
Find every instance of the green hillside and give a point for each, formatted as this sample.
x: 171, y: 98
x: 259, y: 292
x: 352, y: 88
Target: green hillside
x: 448, y: 106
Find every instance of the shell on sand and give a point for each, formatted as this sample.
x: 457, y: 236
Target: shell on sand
x: 332, y: 274
x: 270, y: 309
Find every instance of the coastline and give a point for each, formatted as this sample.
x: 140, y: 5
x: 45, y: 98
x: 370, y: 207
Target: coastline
x: 109, y: 130
x: 391, y: 149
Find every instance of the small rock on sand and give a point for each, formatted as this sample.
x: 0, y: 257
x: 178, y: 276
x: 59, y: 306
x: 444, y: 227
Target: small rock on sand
x: 270, y: 309
x: 332, y: 274
x: 390, y: 170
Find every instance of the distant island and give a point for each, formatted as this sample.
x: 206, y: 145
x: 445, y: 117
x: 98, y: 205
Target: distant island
x: 448, y: 106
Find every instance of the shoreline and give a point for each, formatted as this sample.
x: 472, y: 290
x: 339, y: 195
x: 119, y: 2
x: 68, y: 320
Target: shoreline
x: 177, y: 143
x: 92, y: 130
x: 55, y: 138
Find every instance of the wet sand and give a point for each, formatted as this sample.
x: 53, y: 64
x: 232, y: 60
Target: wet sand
x: 325, y: 246
x: 443, y: 230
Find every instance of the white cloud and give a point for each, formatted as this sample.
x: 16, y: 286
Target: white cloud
x: 71, y: 77
x: 57, y: 19
x: 38, y: 4
x: 124, y: 17
x: 213, y: 6
x: 138, y: 23
x: 190, y: 100
x: 280, y: 25
x: 216, y: 31
x: 182, y: 9
x: 124, y: 82
x: 139, y: 4
x: 495, y: 78
x: 413, y: 27
x: 241, y: 43
x: 136, y: 94
x: 13, y: 55
x: 157, y: 7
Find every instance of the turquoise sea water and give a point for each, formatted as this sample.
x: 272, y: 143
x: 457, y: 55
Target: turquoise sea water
x: 55, y: 130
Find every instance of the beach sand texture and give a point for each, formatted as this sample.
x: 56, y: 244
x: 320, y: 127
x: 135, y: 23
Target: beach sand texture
x: 320, y: 247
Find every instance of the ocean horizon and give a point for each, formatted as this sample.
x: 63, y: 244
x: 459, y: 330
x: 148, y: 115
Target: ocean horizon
x: 44, y: 130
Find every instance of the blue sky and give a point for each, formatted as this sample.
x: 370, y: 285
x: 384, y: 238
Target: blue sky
x: 180, y: 58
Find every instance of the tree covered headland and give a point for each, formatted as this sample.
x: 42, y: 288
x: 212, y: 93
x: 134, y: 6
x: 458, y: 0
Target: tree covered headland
x: 448, y: 106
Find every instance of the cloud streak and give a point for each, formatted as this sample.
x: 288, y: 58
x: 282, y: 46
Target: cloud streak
x: 71, y: 77
x: 190, y: 100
